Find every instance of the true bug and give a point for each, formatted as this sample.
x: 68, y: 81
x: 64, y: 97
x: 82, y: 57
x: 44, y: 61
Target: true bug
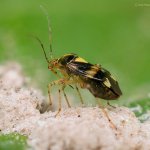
x: 92, y: 77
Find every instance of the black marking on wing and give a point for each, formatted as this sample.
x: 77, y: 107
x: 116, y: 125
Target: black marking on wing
x: 114, y: 85
x: 81, y: 68
x: 100, y: 74
x: 67, y: 58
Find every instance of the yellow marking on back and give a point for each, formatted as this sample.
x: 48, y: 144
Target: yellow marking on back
x: 107, y: 83
x: 79, y: 59
x: 89, y: 76
x: 103, y: 70
x: 90, y: 73
x: 94, y: 67
x: 112, y: 77
x: 65, y: 56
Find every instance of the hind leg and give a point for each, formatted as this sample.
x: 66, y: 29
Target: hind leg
x: 110, y: 105
x: 100, y: 104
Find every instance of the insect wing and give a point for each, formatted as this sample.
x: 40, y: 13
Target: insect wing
x: 86, y: 69
x: 114, y: 84
x: 93, y: 72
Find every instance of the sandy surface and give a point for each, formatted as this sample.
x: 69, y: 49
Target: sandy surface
x: 76, y: 128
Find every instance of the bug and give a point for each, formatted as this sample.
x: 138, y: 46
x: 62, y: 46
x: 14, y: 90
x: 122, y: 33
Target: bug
x: 77, y: 71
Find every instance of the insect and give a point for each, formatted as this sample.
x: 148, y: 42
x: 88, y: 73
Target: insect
x: 77, y: 71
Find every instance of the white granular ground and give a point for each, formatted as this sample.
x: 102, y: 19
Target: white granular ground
x: 19, y: 111
x: 19, y: 107
x: 76, y: 128
x: 11, y: 75
x: 88, y: 129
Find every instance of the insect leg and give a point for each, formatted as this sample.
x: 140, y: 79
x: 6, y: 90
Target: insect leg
x: 65, y: 96
x: 50, y: 101
x: 59, y: 101
x: 59, y: 81
x: 79, y: 94
x: 110, y: 104
x: 67, y: 82
x: 100, y: 104
x: 58, y: 75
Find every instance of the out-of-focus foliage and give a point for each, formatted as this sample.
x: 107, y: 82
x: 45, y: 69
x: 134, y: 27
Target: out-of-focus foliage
x: 115, y: 34
x: 12, y: 142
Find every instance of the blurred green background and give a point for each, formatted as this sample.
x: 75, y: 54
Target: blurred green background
x: 114, y: 34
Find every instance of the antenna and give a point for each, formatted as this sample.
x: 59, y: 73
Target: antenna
x: 41, y: 46
x: 49, y: 30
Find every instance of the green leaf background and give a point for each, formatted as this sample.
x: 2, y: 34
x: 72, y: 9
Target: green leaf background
x: 115, y: 34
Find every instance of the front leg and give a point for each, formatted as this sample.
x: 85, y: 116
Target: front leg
x: 59, y: 81
x: 64, y: 81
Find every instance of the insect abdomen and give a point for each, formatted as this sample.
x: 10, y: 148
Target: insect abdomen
x: 98, y: 89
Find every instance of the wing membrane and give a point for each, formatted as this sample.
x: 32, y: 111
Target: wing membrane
x: 93, y: 72
x: 86, y: 69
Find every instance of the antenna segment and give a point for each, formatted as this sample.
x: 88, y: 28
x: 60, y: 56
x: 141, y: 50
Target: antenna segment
x: 41, y: 46
x: 49, y: 30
